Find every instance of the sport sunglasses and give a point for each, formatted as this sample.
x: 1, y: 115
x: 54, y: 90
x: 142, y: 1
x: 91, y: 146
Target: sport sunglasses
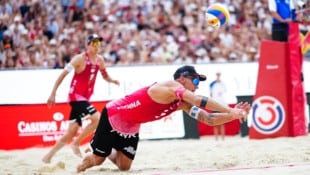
x: 195, y: 79
x: 96, y: 43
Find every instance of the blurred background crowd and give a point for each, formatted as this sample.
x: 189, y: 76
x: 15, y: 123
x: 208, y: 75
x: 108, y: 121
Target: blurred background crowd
x: 47, y: 33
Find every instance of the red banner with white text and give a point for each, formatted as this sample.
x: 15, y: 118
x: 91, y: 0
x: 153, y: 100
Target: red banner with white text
x: 24, y: 126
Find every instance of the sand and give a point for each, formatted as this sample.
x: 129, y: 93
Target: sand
x: 234, y: 155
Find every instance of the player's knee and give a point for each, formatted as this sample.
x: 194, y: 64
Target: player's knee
x: 124, y: 167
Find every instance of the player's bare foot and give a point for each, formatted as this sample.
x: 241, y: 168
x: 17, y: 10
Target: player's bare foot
x: 88, y: 162
x: 76, y: 150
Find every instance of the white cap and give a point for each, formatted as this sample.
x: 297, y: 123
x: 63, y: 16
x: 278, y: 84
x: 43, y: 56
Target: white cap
x: 215, y: 50
x: 17, y: 19
x: 53, y: 42
x: 89, y: 25
x: 7, y: 33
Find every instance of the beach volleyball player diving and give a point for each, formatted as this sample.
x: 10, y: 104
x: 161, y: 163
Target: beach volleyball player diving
x: 117, y: 134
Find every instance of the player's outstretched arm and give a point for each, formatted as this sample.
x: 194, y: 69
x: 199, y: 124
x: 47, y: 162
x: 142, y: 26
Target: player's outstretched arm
x: 213, y: 105
x: 213, y: 119
x: 196, y: 105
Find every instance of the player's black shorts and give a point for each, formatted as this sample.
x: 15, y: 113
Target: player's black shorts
x: 106, y: 138
x: 79, y: 110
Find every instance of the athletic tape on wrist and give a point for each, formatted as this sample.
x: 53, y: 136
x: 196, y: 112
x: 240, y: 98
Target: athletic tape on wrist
x: 194, y: 111
x: 69, y: 67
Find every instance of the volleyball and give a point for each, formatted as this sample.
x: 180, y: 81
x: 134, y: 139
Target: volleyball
x: 217, y: 15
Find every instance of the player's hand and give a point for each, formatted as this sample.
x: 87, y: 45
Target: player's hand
x: 245, y: 109
x: 244, y: 105
x: 115, y: 82
x: 51, y: 101
x: 241, y: 111
x: 238, y: 114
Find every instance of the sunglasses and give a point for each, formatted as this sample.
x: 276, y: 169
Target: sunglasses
x: 195, y: 80
x: 96, y: 43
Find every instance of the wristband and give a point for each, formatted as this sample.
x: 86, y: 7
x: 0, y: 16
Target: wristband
x: 104, y: 72
x: 69, y: 67
x: 204, y: 101
x: 194, y: 111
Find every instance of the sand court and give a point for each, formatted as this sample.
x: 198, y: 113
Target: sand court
x: 234, y: 155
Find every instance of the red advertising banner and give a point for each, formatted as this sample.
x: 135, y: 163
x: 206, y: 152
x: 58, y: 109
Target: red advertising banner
x: 279, y: 102
x: 231, y: 128
x: 270, y: 104
x: 298, y: 101
x: 35, y: 125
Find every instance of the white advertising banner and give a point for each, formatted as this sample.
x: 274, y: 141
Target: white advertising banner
x: 34, y: 86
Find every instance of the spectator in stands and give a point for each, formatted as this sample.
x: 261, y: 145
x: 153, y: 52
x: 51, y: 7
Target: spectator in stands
x: 17, y: 26
x: 7, y: 41
x: 148, y: 21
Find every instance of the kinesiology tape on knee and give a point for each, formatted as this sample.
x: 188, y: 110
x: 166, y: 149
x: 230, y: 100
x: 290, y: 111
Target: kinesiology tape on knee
x: 194, y: 112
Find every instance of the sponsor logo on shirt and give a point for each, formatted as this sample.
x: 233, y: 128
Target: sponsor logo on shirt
x: 130, y: 105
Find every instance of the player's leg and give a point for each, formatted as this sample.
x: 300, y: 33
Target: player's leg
x: 122, y: 161
x: 69, y: 134
x: 101, y: 144
x: 89, y: 161
x: 125, y: 151
x: 85, y: 108
x: 94, y: 118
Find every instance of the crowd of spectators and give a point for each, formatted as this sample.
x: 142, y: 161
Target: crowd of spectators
x: 47, y: 33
